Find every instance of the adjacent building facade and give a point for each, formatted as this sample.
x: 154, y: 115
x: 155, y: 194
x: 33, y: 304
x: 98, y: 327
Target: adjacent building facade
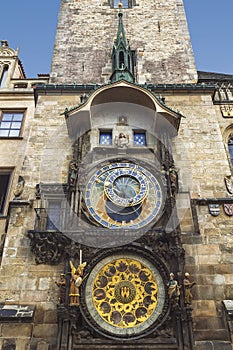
x: 116, y: 187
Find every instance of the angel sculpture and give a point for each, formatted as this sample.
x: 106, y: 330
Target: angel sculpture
x: 75, y: 282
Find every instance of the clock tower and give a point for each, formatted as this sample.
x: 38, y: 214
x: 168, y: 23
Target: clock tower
x: 122, y: 179
x: 118, y: 233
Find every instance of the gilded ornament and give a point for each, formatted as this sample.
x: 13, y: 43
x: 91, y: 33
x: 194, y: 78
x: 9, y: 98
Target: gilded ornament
x: 125, y: 293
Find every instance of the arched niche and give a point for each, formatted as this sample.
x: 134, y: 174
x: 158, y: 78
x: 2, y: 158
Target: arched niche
x: 140, y: 107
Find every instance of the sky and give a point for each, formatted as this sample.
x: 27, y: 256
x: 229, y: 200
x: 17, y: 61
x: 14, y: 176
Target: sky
x: 30, y: 26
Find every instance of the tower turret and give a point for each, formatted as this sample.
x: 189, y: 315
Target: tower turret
x: 122, y: 56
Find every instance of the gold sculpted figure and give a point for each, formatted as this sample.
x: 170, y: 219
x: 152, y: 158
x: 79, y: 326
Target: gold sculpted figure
x: 75, y: 282
x: 173, y: 289
x: 187, y: 289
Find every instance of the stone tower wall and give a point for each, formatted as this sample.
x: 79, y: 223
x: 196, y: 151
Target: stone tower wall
x: 156, y: 30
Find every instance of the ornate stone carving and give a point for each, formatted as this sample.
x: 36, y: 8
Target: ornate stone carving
x: 122, y: 140
x: 227, y: 111
x: 48, y: 247
x: 19, y: 188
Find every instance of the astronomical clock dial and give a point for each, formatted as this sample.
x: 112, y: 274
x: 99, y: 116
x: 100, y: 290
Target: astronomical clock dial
x: 124, y: 295
x: 123, y: 194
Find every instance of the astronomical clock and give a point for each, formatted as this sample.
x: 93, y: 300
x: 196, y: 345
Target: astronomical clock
x: 124, y: 194
x: 121, y: 243
x: 119, y: 236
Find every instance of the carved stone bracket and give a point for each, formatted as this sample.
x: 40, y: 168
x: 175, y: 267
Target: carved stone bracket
x: 48, y: 247
x: 52, y: 247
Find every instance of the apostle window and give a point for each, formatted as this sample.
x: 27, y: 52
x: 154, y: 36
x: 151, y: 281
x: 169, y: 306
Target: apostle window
x: 5, y: 176
x: 139, y: 138
x: 105, y: 137
x: 11, y: 123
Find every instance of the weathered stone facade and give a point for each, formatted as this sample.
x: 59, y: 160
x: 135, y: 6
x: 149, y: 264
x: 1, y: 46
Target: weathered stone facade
x: 65, y: 127
x: 157, y: 31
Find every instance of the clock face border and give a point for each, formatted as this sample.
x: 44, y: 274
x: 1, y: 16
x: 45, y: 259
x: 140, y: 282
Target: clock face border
x: 94, y: 319
x: 112, y: 210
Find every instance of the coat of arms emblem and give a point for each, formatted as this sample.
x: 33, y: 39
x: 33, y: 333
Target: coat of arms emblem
x: 228, y: 209
x: 229, y: 184
x: 214, y: 209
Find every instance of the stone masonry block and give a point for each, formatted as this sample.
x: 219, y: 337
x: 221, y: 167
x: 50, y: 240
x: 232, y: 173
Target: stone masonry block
x: 12, y: 330
x: 40, y: 330
x: 204, y: 308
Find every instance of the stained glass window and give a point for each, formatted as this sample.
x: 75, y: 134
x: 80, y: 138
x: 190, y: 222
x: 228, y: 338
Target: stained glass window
x: 10, y: 124
x: 105, y: 137
x: 139, y: 138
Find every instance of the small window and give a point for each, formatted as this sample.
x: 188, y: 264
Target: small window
x: 3, y: 76
x: 105, y: 137
x: 121, y: 59
x: 54, y: 213
x: 230, y: 148
x: 20, y: 86
x: 126, y: 3
x: 11, y: 124
x: 139, y: 138
x: 5, y: 176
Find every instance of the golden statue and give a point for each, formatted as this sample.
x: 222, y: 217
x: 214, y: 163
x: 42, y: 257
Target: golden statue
x: 173, y: 289
x: 187, y: 289
x: 75, y: 282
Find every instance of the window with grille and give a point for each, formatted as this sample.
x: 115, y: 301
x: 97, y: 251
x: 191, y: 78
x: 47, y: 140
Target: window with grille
x: 11, y: 123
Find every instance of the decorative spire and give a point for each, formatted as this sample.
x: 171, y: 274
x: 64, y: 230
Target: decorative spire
x: 121, y: 32
x: 122, y: 56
